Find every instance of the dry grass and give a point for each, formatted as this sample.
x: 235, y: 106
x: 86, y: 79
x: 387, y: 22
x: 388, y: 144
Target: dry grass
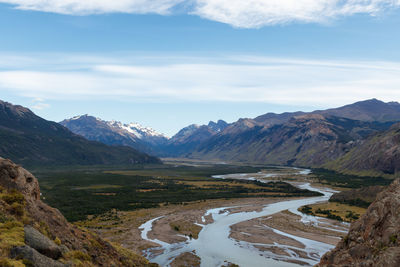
x: 338, y: 209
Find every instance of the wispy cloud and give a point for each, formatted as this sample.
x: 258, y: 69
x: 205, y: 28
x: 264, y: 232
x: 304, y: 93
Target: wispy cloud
x: 258, y: 13
x: 238, y: 13
x: 39, y: 104
x: 224, y: 79
x: 87, y: 7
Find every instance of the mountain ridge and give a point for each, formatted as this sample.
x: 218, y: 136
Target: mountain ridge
x: 30, y: 140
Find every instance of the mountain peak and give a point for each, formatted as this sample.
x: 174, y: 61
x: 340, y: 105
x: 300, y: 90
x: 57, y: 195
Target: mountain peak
x: 219, y: 126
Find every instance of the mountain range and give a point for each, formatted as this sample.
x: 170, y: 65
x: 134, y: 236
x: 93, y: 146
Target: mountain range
x: 115, y: 133
x: 359, y: 138
x: 362, y: 138
x: 142, y: 138
x: 30, y: 140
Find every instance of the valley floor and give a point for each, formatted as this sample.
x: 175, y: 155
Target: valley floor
x: 287, y: 236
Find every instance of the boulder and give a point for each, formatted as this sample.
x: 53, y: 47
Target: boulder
x: 15, y: 177
x: 41, y: 243
x: 35, y: 258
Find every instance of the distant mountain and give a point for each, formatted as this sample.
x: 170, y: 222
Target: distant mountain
x: 190, y: 137
x: 273, y: 118
x: 218, y: 126
x: 369, y: 110
x: 143, y: 138
x: 339, y: 138
x: 298, y: 138
x: 307, y: 140
x: 28, y: 139
x: 378, y: 155
x: 115, y: 133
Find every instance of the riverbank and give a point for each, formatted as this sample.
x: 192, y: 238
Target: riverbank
x: 248, y: 232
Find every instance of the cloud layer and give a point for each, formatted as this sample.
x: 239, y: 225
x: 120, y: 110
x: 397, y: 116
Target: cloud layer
x: 238, y: 13
x: 225, y: 79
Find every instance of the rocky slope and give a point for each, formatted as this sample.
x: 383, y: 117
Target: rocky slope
x: 34, y: 234
x: 28, y: 139
x: 115, y: 133
x: 373, y: 240
x: 306, y: 140
x: 368, y: 110
x: 298, y: 138
x: 190, y: 137
x: 378, y: 155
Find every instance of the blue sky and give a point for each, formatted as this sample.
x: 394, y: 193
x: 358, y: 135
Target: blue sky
x: 170, y: 63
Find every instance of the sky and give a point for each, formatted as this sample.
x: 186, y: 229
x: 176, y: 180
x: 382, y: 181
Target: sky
x: 170, y: 63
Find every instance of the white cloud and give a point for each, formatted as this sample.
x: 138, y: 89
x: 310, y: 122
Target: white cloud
x: 39, y: 104
x: 238, y: 13
x: 85, y: 7
x: 258, y: 13
x: 226, y: 79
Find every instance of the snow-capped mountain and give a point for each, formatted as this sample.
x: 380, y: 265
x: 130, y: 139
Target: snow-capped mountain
x: 140, y: 132
x: 115, y: 132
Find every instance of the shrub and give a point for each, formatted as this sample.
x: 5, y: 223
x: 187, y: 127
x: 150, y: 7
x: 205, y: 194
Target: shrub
x: 393, y: 239
x: 306, y: 209
x: 13, y: 197
x: 57, y: 241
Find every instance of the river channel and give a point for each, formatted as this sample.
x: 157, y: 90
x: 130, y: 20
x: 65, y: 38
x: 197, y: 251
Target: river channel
x: 215, y: 247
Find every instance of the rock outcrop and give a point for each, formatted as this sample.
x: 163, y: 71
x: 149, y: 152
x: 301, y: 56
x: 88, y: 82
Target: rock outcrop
x: 41, y: 243
x: 373, y: 240
x: 32, y: 231
x: 34, y: 257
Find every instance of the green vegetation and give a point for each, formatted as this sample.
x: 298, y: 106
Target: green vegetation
x: 94, y: 191
x: 306, y: 210
x: 352, y: 216
x: 393, y: 239
x: 329, y: 214
x: 12, y: 212
x: 336, y: 179
x: 355, y: 202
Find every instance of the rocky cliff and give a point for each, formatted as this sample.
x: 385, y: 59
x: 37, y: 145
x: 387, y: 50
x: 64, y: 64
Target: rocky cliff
x: 35, y: 234
x: 373, y: 240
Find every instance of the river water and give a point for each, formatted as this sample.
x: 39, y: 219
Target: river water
x: 215, y: 248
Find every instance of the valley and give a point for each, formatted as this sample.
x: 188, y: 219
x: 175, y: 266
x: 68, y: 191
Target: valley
x: 267, y: 190
x: 175, y: 228
x: 199, y: 133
